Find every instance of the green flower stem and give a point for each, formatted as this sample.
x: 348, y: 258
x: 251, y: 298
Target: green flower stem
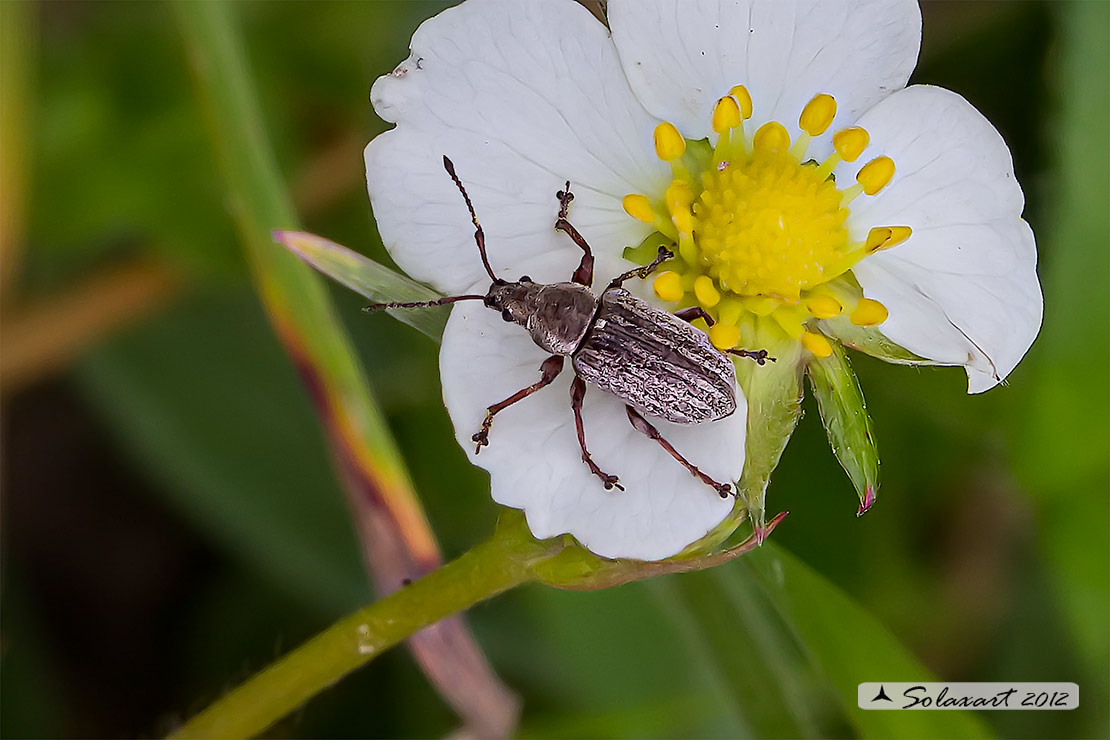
x: 504, y: 561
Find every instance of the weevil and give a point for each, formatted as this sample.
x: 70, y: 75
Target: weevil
x: 655, y: 361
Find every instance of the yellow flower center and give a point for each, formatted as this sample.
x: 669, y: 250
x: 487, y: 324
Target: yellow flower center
x: 761, y: 231
x: 769, y: 226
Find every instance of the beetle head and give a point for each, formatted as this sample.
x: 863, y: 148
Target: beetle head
x: 516, y: 301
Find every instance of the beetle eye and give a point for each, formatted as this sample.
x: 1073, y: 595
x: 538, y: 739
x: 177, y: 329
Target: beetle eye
x: 505, y: 314
x: 525, y: 279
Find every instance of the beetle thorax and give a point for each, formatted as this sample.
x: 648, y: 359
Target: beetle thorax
x: 557, y: 315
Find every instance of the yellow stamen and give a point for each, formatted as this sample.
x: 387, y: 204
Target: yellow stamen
x: 729, y: 311
x: 885, y: 237
x: 868, y: 313
x: 761, y: 305
x: 818, y: 115
x: 876, y: 174
x: 706, y: 292
x: 816, y: 343
x: 849, y: 143
x: 678, y: 195
x: 668, y: 286
x: 771, y: 137
x: 823, y: 306
x: 669, y: 144
x: 743, y: 99
x: 726, y: 115
x: 683, y: 219
x: 638, y: 207
x: 724, y: 336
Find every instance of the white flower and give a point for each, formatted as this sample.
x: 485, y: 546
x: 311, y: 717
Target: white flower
x: 526, y: 95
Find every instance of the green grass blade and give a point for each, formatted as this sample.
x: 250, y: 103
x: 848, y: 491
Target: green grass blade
x: 397, y: 540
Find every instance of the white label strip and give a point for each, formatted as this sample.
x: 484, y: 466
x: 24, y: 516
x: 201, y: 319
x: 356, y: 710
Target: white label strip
x: 902, y: 695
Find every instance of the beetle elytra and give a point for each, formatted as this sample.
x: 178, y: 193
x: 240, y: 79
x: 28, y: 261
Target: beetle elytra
x: 655, y: 361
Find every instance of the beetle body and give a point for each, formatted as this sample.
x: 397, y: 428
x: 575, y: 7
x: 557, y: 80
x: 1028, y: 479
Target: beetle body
x: 655, y: 361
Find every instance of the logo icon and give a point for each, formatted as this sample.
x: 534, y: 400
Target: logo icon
x: 882, y: 694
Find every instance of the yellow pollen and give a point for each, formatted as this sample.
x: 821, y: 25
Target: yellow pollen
x: 726, y: 114
x: 816, y: 343
x: 638, y: 207
x: 876, y: 174
x: 669, y: 144
x: 706, y: 292
x: 769, y: 226
x: 823, y: 306
x: 850, y: 143
x: 771, y: 137
x: 817, y: 115
x: 743, y: 99
x: 668, y: 286
x: 724, y: 336
x: 868, y: 313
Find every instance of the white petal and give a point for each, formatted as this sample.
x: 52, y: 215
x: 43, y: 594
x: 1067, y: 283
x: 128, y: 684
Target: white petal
x: 522, y: 96
x: 963, y: 289
x: 681, y: 56
x: 535, y: 463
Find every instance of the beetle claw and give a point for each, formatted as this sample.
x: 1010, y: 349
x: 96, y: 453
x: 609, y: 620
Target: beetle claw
x: 481, y: 438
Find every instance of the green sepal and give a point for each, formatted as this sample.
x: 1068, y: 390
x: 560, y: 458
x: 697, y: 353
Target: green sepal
x: 646, y: 251
x: 368, y: 278
x: 871, y: 341
x: 774, y: 395
x: 844, y: 414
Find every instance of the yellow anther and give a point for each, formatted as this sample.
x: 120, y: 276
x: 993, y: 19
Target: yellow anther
x: 868, y: 313
x: 876, y: 174
x: 668, y: 286
x: 898, y: 234
x: 743, y: 99
x: 816, y: 343
x: 885, y: 237
x: 850, y: 143
x: 771, y: 137
x: 726, y: 114
x: 638, y: 207
x: 877, y: 239
x: 724, y: 336
x: 669, y: 144
x: 678, y: 195
x: 823, y: 306
x: 706, y: 292
x: 817, y: 115
x: 683, y: 219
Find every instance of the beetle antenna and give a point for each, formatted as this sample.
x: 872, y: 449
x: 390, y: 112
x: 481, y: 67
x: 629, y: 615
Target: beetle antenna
x: 422, y: 304
x: 479, y: 235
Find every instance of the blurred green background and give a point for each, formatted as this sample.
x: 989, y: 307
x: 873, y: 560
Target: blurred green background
x: 171, y: 521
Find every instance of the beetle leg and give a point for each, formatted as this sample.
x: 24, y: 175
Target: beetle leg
x: 577, y: 393
x: 550, y: 369
x: 584, y: 275
x: 759, y: 355
x: 645, y: 427
x: 695, y: 312
x: 642, y: 272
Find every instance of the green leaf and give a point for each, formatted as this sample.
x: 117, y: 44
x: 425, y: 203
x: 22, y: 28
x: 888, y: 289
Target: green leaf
x: 844, y: 415
x: 845, y: 645
x: 774, y: 395
x: 368, y: 278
